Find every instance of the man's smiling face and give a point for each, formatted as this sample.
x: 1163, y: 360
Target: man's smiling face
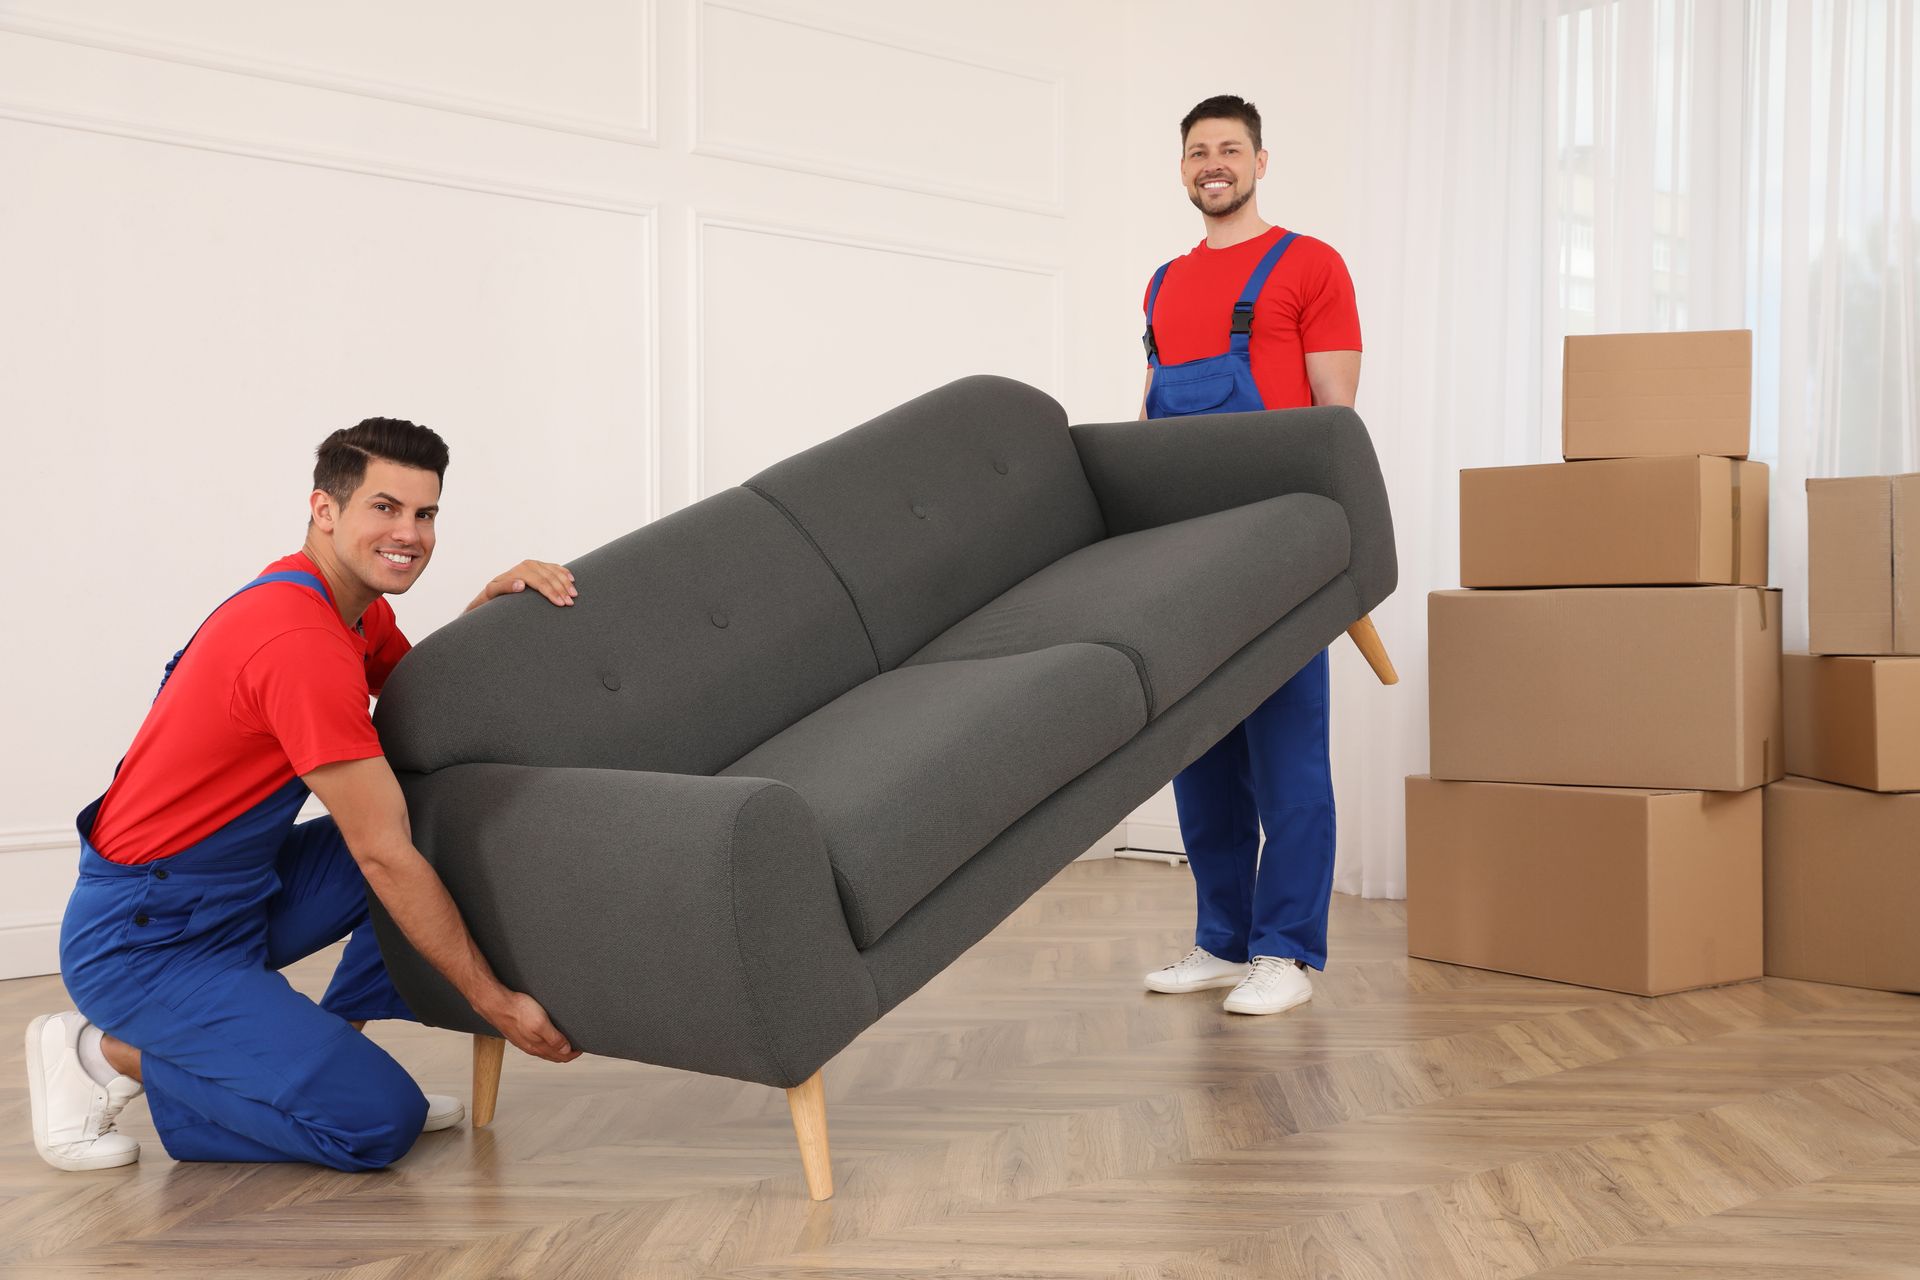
x: 383, y: 534
x: 1219, y: 166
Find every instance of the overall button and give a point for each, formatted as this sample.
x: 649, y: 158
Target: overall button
x: 140, y: 919
x: 611, y: 682
x: 719, y: 619
x: 159, y: 873
x: 919, y: 511
x: 1000, y: 466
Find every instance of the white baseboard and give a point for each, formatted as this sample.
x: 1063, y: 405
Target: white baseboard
x: 1109, y: 844
x: 37, y: 867
x: 30, y: 950
x: 1146, y: 840
x: 1154, y: 837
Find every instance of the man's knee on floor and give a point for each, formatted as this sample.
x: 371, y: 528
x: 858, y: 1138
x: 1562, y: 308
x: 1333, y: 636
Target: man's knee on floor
x: 378, y: 1127
x: 361, y: 1108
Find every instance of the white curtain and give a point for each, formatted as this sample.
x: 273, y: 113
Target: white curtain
x: 1448, y: 261
x: 1531, y: 168
x: 1832, y: 265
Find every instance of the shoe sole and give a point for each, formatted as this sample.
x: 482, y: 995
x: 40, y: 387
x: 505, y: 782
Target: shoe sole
x: 1205, y: 984
x: 37, y: 1094
x: 1230, y: 1007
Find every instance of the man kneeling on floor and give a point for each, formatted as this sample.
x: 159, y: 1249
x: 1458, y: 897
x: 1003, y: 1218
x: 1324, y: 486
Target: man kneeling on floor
x: 196, y: 884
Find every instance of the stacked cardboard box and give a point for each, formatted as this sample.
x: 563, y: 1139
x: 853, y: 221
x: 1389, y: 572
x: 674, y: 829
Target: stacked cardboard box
x: 1604, y: 701
x: 1843, y: 835
x: 1863, y: 565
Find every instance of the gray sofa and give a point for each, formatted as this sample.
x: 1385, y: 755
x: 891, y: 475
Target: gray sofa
x: 801, y: 744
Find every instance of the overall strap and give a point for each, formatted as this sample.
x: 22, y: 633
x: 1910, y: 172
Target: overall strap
x: 1153, y: 296
x: 299, y: 577
x: 1241, y: 341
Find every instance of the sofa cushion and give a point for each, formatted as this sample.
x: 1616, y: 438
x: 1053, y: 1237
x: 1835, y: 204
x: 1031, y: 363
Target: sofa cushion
x: 1182, y: 598
x: 693, y: 639
x: 915, y: 771
x: 936, y: 507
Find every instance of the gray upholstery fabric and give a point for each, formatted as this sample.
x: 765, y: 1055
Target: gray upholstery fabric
x: 1154, y: 473
x: 932, y: 509
x: 693, y: 640
x: 698, y: 921
x: 690, y: 922
x: 1181, y: 598
x: 913, y: 772
x: 1006, y: 873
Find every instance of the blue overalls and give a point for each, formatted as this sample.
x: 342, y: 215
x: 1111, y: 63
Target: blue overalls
x: 1272, y: 770
x: 179, y: 958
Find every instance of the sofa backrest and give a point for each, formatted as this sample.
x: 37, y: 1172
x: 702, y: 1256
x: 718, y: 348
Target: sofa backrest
x: 934, y: 508
x: 693, y: 640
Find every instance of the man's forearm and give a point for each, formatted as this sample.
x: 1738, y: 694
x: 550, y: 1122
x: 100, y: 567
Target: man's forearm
x: 419, y: 903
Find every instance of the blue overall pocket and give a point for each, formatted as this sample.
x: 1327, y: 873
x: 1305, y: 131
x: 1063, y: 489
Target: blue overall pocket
x: 1179, y: 397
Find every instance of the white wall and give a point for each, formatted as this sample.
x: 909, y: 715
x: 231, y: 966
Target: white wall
x: 622, y: 253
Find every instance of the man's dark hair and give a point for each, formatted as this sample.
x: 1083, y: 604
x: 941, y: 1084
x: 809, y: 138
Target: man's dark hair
x: 340, y: 463
x: 1224, y: 106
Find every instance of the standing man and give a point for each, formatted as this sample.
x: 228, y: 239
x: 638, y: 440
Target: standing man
x: 1253, y: 317
x: 197, y: 886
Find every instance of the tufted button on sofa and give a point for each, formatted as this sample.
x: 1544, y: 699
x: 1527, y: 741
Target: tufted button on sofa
x: 801, y: 744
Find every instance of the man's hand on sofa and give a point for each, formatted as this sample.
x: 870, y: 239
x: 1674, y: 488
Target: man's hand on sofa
x: 554, y: 581
x: 365, y: 801
x: 519, y: 1018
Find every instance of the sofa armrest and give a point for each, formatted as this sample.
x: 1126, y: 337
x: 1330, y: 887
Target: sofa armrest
x: 1146, y: 474
x: 681, y: 920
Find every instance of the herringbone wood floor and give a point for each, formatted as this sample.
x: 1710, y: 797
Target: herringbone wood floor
x: 1033, y: 1113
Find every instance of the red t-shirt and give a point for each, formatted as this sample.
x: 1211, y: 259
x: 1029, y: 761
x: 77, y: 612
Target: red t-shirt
x: 273, y: 686
x: 1307, y: 305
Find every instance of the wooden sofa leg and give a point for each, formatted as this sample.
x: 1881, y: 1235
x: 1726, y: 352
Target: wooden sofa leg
x: 487, y: 1052
x: 808, y: 1102
x: 1373, y: 651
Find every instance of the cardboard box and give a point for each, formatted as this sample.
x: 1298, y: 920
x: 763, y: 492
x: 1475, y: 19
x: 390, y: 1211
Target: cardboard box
x: 1639, y: 395
x: 1669, y: 687
x: 1863, y: 565
x: 1842, y: 881
x: 1853, y: 720
x: 1624, y: 521
x: 1647, y: 892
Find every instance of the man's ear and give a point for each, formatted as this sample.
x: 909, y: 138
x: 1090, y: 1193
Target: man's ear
x: 1260, y: 164
x: 321, y: 510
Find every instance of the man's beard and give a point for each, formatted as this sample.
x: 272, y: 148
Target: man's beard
x: 1239, y: 203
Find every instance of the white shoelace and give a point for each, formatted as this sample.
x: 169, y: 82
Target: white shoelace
x: 1193, y: 959
x: 111, y: 1112
x: 1267, y: 970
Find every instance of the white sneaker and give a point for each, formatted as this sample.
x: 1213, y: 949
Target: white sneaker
x: 1274, y: 985
x: 442, y: 1113
x: 73, y: 1116
x: 1200, y: 970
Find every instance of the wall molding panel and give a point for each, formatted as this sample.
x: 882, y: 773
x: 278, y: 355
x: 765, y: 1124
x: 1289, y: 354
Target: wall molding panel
x: 39, y: 840
x: 317, y: 158
x: 820, y: 208
x: 642, y: 131
x: 1045, y: 92
x: 651, y: 363
x: 704, y: 223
